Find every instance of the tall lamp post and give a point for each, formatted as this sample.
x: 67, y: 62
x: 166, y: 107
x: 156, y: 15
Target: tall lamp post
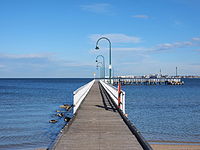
x: 110, y: 66
x: 103, y: 64
x: 100, y: 71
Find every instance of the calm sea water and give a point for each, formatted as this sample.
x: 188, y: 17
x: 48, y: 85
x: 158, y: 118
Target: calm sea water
x: 159, y: 112
x: 166, y: 113
x: 27, y: 105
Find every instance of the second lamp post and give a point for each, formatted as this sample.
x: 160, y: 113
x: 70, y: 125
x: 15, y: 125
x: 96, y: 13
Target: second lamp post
x: 110, y: 66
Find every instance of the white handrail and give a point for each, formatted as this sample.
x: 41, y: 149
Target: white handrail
x: 80, y: 94
x: 113, y: 92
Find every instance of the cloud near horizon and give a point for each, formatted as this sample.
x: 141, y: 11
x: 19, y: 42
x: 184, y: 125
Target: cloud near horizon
x: 40, y: 59
x: 24, y: 56
x: 40, y: 65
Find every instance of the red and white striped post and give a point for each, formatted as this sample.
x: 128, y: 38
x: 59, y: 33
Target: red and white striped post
x: 119, y: 94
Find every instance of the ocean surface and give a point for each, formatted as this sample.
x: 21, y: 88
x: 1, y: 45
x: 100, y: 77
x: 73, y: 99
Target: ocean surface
x: 166, y: 112
x: 27, y: 105
x: 163, y: 113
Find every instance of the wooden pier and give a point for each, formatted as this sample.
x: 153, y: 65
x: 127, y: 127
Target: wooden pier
x: 97, y: 125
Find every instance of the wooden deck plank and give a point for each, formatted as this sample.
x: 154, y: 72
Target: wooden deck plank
x: 95, y: 128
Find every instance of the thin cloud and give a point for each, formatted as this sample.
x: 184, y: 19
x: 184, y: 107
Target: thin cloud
x: 39, y: 60
x: 195, y: 64
x: 25, y: 56
x: 196, y: 39
x: 2, y: 66
x: 40, y: 65
x: 121, y: 38
x: 141, y: 16
x: 132, y: 49
x: 183, y: 44
x: 167, y: 46
x: 116, y: 38
x: 194, y: 42
x: 176, y: 22
x: 97, y: 8
x: 78, y: 64
x: 26, y: 59
x: 126, y: 49
x: 130, y: 63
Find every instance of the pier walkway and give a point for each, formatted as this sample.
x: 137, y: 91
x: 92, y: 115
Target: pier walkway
x: 97, y: 128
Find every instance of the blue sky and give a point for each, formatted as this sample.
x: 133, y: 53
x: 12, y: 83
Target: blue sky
x: 56, y: 38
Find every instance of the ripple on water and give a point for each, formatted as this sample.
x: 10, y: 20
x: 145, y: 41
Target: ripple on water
x: 27, y: 105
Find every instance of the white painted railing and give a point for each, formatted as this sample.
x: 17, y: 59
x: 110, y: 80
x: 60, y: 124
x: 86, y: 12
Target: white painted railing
x: 113, y: 92
x: 80, y: 94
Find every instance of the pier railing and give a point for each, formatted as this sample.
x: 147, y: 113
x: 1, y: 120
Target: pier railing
x: 80, y: 94
x: 113, y: 92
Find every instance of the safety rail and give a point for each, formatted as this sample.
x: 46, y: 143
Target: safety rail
x: 113, y: 92
x: 80, y: 94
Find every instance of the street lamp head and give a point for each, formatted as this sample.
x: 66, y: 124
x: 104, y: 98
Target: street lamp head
x: 97, y: 48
